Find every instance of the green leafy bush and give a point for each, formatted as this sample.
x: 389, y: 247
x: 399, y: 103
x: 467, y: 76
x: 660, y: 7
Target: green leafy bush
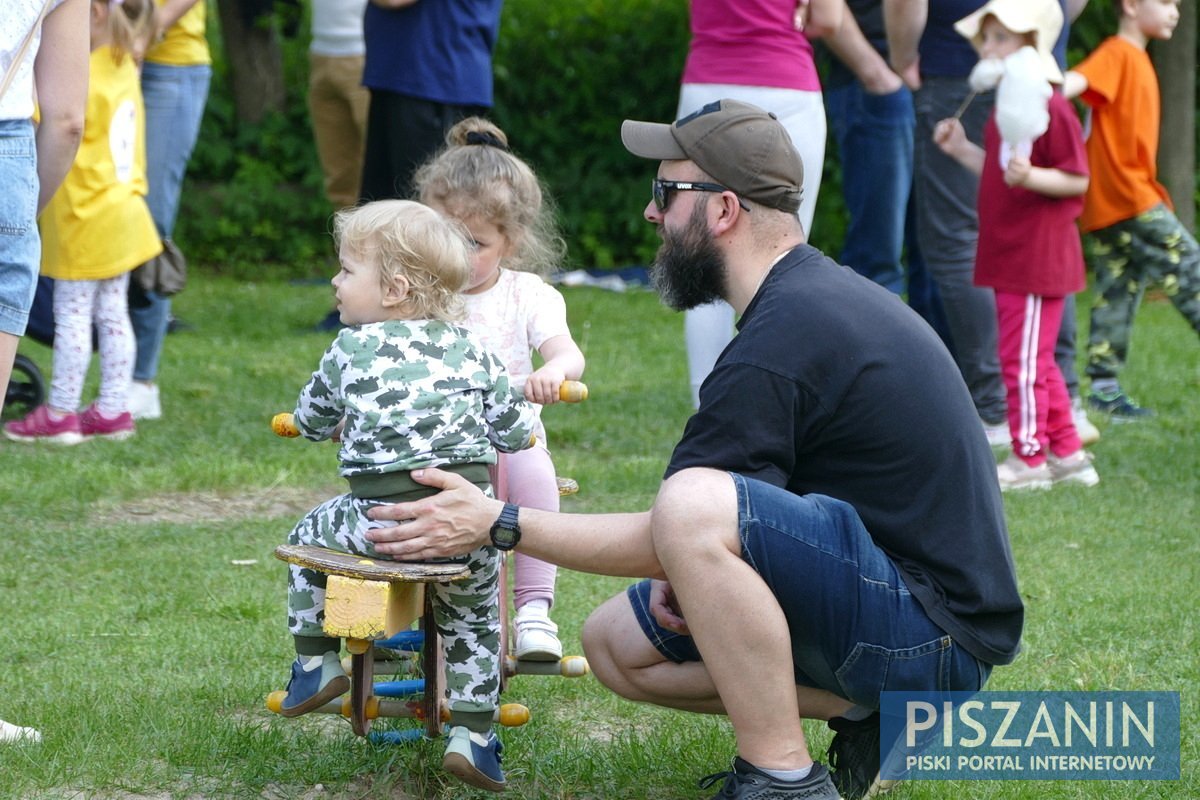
x: 253, y: 199
x: 567, y: 74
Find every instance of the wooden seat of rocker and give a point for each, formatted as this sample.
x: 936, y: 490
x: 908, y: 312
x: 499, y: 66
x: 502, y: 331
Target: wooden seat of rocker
x: 349, y: 565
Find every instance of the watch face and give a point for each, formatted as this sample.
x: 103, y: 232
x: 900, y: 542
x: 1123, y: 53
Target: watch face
x: 506, y: 532
x: 504, y: 537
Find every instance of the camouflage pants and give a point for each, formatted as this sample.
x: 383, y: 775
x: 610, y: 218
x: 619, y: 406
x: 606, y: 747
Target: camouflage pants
x: 467, y: 611
x: 1151, y: 248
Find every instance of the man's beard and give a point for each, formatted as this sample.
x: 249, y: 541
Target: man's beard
x: 689, y: 269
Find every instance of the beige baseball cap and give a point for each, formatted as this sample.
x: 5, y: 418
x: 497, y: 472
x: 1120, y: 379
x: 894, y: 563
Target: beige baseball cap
x: 741, y: 146
x: 1043, y: 18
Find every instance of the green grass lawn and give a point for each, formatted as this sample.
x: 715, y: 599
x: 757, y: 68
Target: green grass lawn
x: 144, y: 612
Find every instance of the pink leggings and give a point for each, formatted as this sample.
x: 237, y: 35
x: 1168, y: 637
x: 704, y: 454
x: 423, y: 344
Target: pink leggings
x: 77, y: 304
x: 527, y: 479
x: 1039, y: 408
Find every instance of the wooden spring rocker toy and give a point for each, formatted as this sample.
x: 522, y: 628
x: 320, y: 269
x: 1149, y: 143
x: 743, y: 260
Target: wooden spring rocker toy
x: 372, y: 604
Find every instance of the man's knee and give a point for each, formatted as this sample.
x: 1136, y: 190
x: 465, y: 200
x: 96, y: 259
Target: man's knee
x: 694, y: 508
x: 616, y: 647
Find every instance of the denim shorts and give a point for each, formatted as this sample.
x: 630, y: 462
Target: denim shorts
x: 20, y: 246
x: 856, y: 629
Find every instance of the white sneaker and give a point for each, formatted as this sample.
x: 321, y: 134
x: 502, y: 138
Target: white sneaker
x: 997, y: 435
x: 1075, y: 468
x: 15, y: 733
x: 143, y: 401
x: 1089, y: 434
x: 537, y: 636
x: 1015, y: 475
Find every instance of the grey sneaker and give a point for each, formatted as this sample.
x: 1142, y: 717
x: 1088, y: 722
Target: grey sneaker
x: 747, y: 782
x: 854, y: 757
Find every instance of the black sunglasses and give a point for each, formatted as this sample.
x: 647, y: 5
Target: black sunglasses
x: 662, y: 191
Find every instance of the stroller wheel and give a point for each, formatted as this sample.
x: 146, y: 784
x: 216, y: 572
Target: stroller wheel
x: 26, y: 389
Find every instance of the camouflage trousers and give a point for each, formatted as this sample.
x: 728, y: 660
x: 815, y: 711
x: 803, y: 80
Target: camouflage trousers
x: 1152, y: 248
x: 467, y: 611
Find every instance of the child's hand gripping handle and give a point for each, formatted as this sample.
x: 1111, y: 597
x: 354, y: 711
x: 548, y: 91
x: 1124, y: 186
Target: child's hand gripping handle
x: 572, y: 391
x: 284, y: 425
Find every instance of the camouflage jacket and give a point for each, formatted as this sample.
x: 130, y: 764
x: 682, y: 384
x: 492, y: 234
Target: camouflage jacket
x: 414, y: 393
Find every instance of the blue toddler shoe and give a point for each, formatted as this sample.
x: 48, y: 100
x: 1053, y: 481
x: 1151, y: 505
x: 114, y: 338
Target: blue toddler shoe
x: 474, y: 758
x: 309, y: 690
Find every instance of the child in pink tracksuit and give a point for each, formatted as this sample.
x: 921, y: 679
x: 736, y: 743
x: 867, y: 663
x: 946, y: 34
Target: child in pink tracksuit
x: 497, y: 197
x: 1030, y: 196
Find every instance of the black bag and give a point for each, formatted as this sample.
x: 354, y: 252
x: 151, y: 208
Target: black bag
x: 165, y: 274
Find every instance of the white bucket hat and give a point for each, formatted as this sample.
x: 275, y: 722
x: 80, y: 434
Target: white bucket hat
x: 1043, y: 18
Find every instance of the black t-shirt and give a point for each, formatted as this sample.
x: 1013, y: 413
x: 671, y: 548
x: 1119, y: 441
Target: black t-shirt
x: 834, y: 386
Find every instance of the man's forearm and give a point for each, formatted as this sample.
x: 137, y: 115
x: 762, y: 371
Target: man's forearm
x: 904, y: 22
x: 458, y: 518
x: 602, y: 544
x: 852, y: 49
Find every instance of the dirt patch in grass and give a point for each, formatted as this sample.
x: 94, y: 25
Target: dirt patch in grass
x: 191, y: 507
x: 357, y: 790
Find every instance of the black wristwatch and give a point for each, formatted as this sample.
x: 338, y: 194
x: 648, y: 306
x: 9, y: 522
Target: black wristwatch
x: 506, y: 531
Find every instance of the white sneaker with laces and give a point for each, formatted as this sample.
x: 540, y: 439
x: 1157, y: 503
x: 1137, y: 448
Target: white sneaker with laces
x: 537, y: 636
x: 1015, y: 475
x: 143, y: 401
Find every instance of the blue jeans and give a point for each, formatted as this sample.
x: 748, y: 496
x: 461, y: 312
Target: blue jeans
x: 874, y: 136
x: 856, y: 630
x: 174, y: 98
x: 20, y: 245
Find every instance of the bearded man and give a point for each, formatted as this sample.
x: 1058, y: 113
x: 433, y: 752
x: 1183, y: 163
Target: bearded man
x: 829, y: 527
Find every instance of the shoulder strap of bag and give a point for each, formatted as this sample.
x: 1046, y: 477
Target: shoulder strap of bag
x: 11, y: 72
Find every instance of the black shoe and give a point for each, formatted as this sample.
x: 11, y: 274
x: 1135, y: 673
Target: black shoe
x: 854, y: 756
x: 176, y: 325
x: 747, y: 782
x: 1118, y: 407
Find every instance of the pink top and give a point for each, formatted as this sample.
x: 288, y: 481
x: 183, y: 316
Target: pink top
x: 749, y: 43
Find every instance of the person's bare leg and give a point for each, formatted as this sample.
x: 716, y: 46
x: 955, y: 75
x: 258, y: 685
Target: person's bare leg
x: 625, y: 661
x: 8, y: 353
x: 736, y: 622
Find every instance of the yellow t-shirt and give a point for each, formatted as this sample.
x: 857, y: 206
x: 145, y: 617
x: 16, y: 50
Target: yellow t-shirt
x: 97, y: 225
x: 184, y: 44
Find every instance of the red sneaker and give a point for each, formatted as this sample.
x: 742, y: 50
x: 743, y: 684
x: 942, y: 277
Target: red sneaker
x: 39, y: 426
x: 94, y: 424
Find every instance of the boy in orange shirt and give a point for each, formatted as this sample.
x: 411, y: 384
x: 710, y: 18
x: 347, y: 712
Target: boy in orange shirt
x: 1136, y: 238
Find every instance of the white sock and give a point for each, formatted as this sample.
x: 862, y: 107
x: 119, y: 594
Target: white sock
x: 789, y: 775
x: 858, y: 713
x: 309, y: 663
x: 535, y: 608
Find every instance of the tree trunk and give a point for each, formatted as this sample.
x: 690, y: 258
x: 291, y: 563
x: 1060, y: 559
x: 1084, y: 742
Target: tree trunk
x: 255, y: 61
x: 1175, y: 62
